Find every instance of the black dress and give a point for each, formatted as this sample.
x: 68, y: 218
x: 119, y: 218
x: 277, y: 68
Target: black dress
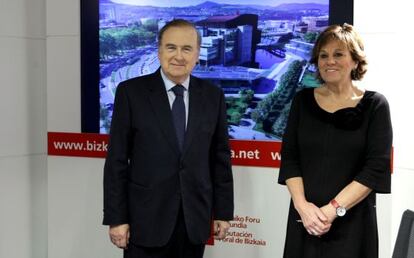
x: 329, y: 151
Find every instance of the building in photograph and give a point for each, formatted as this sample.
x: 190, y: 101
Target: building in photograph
x: 229, y: 40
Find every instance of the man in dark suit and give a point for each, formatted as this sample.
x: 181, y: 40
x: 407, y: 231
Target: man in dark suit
x: 167, y: 175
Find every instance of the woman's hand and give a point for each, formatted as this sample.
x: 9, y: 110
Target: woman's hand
x: 330, y: 212
x: 314, y: 220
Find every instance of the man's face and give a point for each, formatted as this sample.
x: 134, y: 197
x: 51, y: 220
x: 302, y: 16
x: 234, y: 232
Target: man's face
x: 178, y: 52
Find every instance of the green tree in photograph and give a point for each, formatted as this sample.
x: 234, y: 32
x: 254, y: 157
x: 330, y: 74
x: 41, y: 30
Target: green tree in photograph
x: 235, y: 118
x: 311, y: 37
x: 273, y: 106
x: 246, y: 95
x: 107, y: 44
x: 151, y: 26
x: 280, y: 123
x: 118, y: 40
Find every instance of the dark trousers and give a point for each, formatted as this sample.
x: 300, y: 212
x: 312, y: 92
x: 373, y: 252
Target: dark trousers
x: 179, y: 246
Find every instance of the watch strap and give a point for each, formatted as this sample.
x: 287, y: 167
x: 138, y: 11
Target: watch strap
x: 340, y: 210
x: 335, y: 204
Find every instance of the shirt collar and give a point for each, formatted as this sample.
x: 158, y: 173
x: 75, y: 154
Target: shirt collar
x: 169, y: 84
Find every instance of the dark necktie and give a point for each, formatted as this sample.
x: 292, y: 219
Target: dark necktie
x: 178, y: 112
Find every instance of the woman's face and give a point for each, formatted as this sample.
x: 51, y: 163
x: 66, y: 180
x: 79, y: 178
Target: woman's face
x: 335, y: 63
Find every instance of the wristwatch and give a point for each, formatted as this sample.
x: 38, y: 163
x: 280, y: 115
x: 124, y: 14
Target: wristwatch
x: 340, y: 211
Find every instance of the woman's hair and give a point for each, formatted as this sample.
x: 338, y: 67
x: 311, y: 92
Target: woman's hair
x: 346, y: 35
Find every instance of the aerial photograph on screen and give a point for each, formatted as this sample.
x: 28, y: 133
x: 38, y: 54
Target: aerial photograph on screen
x: 257, y: 52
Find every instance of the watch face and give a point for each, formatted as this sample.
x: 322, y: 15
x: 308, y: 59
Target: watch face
x: 340, y: 211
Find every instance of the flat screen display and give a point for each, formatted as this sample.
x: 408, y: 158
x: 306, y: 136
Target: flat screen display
x: 257, y: 53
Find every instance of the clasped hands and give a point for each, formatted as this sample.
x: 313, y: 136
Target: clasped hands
x: 317, y: 221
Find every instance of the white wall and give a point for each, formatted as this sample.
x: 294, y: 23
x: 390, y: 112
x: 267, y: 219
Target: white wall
x: 378, y: 33
x: 388, y: 36
x: 74, y: 184
x: 23, y: 174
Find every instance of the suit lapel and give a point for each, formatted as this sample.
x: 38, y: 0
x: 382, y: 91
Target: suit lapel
x: 195, y: 110
x: 162, y: 110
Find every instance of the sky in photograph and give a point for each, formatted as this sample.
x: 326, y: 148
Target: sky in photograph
x: 196, y: 2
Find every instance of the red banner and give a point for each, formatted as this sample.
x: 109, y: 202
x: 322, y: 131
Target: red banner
x: 243, y: 153
x: 255, y: 153
x: 77, y: 144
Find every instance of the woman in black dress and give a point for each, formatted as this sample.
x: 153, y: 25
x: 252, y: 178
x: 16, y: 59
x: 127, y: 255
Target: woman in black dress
x: 336, y: 155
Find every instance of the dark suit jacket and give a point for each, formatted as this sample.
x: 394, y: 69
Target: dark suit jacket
x: 145, y: 175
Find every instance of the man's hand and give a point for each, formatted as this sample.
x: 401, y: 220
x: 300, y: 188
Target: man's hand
x: 119, y: 235
x: 220, y: 229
